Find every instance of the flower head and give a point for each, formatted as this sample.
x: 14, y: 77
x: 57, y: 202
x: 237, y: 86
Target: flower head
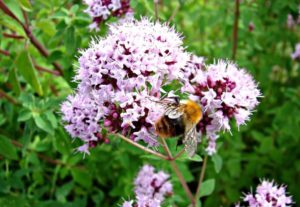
x: 118, y: 77
x: 151, y: 185
x: 268, y: 194
x: 225, y: 93
x: 150, y: 188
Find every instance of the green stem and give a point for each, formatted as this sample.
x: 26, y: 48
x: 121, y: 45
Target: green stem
x: 201, y: 177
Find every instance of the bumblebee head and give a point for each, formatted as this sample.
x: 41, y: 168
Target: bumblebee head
x: 175, y: 99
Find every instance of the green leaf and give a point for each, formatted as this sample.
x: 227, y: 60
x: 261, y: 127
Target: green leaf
x: 7, y: 149
x: 184, y: 157
x: 10, y: 23
x: 15, y: 9
x: 63, y: 192
x: 12, y: 78
x: 196, y: 158
x: 218, y: 162
x: 70, y: 40
x: 172, y: 144
x: 62, y: 142
x: 51, y: 118
x: 25, y: 4
x: 54, y: 56
x: 47, y: 27
x: 13, y: 201
x: 43, y: 124
x: 152, y: 157
x: 74, y: 8
x: 26, y: 68
x: 2, y: 119
x: 188, y: 176
x: 207, y: 187
x: 24, y: 115
x: 82, y: 177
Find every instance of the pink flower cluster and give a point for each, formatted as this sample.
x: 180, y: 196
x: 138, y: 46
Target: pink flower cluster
x: 268, y: 194
x: 101, y: 10
x: 121, y: 74
x: 150, y: 188
x: 118, y: 77
x: 225, y: 93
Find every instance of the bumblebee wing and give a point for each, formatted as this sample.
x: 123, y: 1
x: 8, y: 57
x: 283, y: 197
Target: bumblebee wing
x: 190, y: 141
x: 173, y: 112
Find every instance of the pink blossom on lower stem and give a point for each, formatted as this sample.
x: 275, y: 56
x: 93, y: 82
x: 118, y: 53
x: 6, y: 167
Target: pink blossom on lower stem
x: 268, y: 194
x: 151, y: 188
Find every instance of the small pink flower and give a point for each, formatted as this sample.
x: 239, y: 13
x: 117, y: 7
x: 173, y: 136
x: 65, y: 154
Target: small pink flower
x: 268, y: 194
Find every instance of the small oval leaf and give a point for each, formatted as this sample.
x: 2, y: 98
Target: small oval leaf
x: 25, y: 4
x: 218, y: 162
x: 26, y: 68
x: 207, y: 187
x: 7, y: 149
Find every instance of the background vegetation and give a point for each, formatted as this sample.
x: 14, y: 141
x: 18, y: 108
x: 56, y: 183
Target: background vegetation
x: 38, y: 53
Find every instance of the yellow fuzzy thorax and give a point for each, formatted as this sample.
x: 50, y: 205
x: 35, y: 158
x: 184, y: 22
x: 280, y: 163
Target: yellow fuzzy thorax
x: 192, y: 111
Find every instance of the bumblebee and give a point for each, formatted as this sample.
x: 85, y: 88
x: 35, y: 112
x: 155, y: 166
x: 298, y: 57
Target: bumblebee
x: 180, y: 119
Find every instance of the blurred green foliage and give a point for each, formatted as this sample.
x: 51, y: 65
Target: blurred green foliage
x: 39, y: 166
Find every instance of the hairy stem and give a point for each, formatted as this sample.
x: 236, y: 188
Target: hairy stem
x: 142, y: 147
x: 177, y: 172
x: 201, y: 177
x: 235, y: 28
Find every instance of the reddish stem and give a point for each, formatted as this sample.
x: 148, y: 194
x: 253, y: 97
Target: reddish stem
x: 177, y: 172
x: 13, y: 36
x: 235, y: 28
x: 9, y: 98
x: 4, y: 52
x: 42, y: 69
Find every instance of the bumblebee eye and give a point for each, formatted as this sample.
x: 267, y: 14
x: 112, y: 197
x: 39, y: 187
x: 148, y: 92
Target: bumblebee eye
x: 176, y: 100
